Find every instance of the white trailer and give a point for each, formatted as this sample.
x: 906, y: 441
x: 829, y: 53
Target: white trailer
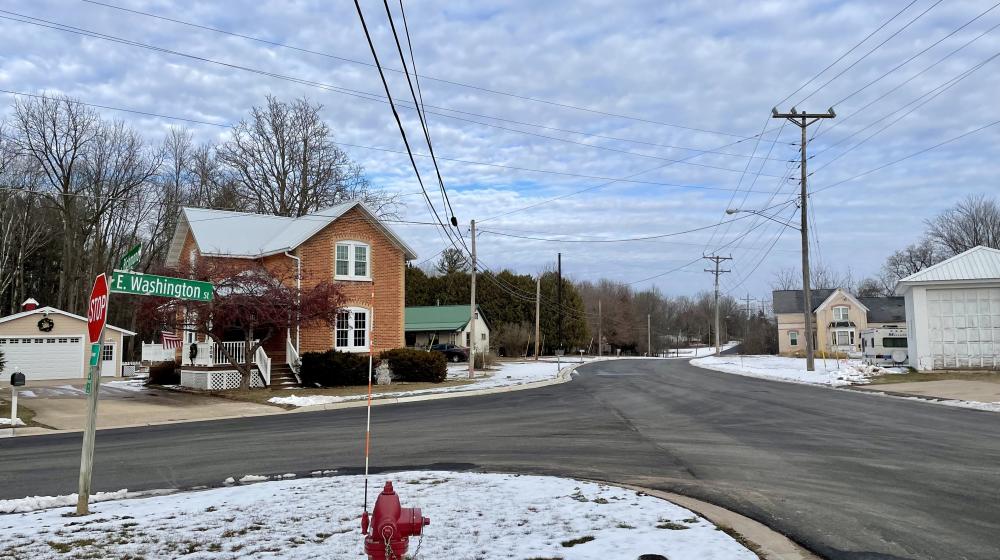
x: 885, y: 345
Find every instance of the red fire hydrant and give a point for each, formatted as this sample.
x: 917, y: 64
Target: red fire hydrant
x: 391, y: 526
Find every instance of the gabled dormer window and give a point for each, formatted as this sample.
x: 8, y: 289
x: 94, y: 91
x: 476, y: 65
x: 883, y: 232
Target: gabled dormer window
x: 352, y: 261
x: 840, y: 313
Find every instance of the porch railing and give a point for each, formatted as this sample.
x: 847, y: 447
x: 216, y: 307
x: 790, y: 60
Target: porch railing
x: 292, y: 358
x: 263, y: 362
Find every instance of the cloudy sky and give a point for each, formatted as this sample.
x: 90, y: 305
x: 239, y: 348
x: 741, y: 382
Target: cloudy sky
x: 535, y: 107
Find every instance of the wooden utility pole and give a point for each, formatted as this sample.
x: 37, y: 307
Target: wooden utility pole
x: 717, y: 271
x: 538, y: 314
x: 559, y: 338
x: 803, y: 120
x: 649, y: 337
x: 600, y: 330
x: 473, y: 314
x: 746, y: 331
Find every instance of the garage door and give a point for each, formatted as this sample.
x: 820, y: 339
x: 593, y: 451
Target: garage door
x: 964, y: 327
x: 45, y: 357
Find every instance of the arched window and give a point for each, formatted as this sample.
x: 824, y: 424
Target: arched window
x: 352, y: 330
x: 352, y: 261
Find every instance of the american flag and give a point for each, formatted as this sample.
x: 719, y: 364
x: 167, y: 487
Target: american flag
x: 170, y: 340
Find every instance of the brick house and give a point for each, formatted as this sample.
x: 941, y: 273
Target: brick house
x: 345, y: 243
x: 838, y: 319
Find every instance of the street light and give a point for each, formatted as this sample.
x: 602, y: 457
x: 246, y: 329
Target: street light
x: 806, y: 292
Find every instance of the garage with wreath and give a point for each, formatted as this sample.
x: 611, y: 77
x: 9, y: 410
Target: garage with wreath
x: 48, y: 343
x: 953, y: 312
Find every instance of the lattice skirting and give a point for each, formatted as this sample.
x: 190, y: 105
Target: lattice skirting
x: 216, y: 380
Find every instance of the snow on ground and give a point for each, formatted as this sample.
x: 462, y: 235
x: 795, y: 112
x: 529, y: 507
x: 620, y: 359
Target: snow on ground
x: 508, y: 374
x: 828, y: 372
x: 6, y: 422
x: 472, y: 516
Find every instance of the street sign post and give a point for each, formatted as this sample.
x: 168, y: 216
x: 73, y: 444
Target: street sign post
x: 97, y: 317
x: 125, y: 282
x: 131, y: 259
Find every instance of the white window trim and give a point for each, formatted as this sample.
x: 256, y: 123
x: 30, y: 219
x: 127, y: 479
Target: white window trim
x: 350, y: 276
x: 351, y: 330
x: 793, y: 341
x: 850, y: 335
x: 847, y: 313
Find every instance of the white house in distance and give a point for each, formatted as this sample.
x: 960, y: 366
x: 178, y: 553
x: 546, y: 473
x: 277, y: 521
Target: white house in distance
x: 953, y: 312
x: 49, y: 343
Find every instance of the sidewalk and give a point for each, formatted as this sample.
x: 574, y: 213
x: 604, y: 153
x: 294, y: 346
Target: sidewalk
x: 61, y: 405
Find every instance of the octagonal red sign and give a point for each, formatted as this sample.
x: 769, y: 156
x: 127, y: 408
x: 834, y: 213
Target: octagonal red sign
x: 97, y: 311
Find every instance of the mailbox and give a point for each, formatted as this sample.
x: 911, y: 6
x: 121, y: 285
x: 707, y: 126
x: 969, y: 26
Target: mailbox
x: 17, y: 379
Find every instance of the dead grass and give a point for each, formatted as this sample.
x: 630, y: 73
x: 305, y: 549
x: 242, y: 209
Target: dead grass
x: 24, y: 413
x: 966, y: 375
x: 261, y: 396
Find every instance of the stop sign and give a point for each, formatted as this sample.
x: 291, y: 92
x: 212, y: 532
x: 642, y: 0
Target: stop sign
x: 97, y: 311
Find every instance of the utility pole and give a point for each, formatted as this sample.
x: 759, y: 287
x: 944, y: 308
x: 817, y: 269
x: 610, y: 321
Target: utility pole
x: 746, y: 331
x: 600, y: 330
x: 717, y: 271
x: 803, y: 120
x: 649, y: 337
x: 559, y: 336
x: 538, y: 314
x: 473, y: 314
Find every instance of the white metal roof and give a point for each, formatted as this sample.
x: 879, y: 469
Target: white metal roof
x: 49, y: 310
x: 247, y: 235
x: 978, y: 263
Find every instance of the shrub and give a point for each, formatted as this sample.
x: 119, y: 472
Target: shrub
x: 409, y: 364
x: 163, y: 373
x: 485, y: 360
x: 334, y: 369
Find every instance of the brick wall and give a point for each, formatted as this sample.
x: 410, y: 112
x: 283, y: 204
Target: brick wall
x: 387, y: 263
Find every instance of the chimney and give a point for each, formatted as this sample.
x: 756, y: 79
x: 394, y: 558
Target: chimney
x: 29, y: 305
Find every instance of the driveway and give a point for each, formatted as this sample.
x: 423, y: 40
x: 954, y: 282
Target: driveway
x: 847, y: 475
x: 62, y: 405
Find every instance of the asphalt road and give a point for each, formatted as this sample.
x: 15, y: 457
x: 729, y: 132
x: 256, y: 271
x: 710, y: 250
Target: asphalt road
x: 845, y: 474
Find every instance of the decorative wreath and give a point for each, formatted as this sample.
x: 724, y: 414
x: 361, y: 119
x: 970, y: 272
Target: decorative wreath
x: 45, y: 324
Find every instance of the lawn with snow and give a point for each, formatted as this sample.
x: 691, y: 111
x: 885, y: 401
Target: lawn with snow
x: 507, y: 374
x: 6, y: 422
x: 472, y: 516
x: 828, y: 372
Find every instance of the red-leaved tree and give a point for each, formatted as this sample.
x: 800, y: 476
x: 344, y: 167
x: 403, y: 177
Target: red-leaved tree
x: 249, y: 297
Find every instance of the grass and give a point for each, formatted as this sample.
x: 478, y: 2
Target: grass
x: 578, y: 540
x: 915, y: 376
x: 24, y: 413
x: 261, y: 396
x: 738, y: 537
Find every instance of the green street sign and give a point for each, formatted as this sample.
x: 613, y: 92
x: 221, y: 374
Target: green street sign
x: 124, y: 282
x: 95, y: 351
x: 131, y: 259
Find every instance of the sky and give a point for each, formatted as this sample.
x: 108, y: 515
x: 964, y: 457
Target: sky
x: 535, y: 108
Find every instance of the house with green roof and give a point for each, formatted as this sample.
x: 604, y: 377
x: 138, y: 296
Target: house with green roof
x: 445, y: 324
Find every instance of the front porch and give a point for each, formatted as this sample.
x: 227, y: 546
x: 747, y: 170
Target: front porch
x: 204, y: 365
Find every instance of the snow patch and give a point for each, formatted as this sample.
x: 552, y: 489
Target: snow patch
x: 33, y: 503
x: 510, y: 516
x: 834, y: 373
x: 247, y: 479
x: 6, y: 422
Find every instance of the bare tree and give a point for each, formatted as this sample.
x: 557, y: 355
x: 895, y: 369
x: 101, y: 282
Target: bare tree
x: 909, y: 260
x: 56, y: 132
x: 286, y: 163
x: 973, y: 221
x: 871, y: 287
x: 452, y: 260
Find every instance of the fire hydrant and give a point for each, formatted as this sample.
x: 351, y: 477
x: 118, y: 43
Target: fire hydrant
x: 391, y: 526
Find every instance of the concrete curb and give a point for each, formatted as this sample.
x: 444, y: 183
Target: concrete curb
x: 564, y: 375
x: 769, y: 544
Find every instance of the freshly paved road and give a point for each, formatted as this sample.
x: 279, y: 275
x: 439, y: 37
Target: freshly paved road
x: 847, y: 475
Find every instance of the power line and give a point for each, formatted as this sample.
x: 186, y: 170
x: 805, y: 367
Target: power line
x: 875, y: 48
x: 327, y: 87
x: 426, y: 77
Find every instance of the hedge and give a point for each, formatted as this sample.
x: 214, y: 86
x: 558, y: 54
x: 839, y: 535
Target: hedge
x: 334, y: 369
x: 409, y: 364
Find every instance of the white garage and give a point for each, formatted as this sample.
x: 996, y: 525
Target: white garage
x: 48, y: 343
x: 953, y: 312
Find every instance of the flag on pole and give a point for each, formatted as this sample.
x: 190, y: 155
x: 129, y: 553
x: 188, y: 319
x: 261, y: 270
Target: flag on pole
x: 170, y: 340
